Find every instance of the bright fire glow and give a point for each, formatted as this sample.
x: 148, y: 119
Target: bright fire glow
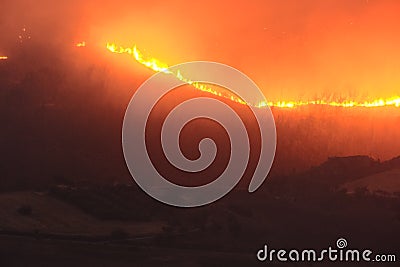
x: 81, y: 44
x: 3, y: 57
x: 159, y: 66
x: 393, y: 101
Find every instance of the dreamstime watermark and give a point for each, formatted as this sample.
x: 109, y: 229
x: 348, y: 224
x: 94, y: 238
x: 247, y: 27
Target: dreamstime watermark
x: 333, y: 254
x: 143, y: 102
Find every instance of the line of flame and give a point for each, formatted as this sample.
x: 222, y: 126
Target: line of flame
x: 393, y: 101
x: 3, y: 57
x: 159, y: 66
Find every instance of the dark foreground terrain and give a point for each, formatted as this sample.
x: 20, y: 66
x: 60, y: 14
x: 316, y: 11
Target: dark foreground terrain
x: 91, y: 225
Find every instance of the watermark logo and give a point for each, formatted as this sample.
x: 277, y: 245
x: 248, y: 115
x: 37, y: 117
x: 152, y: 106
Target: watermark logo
x: 341, y: 243
x: 332, y: 254
x: 143, y: 102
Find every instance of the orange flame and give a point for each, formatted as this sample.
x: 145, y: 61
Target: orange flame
x: 3, y: 57
x: 392, y: 101
x: 159, y: 66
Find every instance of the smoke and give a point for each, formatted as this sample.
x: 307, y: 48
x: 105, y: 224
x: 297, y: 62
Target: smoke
x: 293, y: 50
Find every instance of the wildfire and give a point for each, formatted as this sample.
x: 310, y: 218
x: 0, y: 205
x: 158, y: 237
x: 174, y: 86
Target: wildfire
x: 3, y: 58
x: 393, y: 101
x: 158, y: 66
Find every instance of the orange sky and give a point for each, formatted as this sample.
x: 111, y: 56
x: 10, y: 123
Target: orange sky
x: 291, y: 49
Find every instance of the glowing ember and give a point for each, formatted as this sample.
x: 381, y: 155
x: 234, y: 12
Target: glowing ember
x: 81, y: 44
x: 159, y: 66
x: 3, y: 58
